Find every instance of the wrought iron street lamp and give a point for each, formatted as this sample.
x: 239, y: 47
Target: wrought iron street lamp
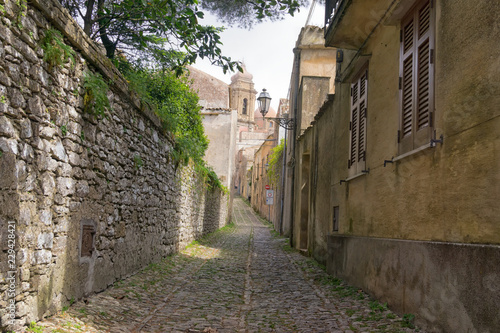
x: 264, y: 100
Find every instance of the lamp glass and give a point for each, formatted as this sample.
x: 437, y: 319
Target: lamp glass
x: 264, y: 100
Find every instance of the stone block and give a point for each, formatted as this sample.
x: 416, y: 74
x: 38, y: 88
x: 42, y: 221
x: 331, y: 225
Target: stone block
x: 6, y: 127
x: 25, y: 274
x: 65, y: 186
x: 22, y: 256
x: 4, y: 79
x: 16, y: 98
x: 26, y: 130
x: 30, y: 183
x: 45, y: 240
x: 21, y: 172
x: 82, y: 188
x: 45, y: 216
x: 41, y: 257
x: 74, y: 159
x: 61, y: 225
x: 46, y: 162
x: 8, y: 146
x: 36, y: 106
x: 26, y: 51
x: 8, y: 177
x: 48, y: 184
x: 47, y: 132
x: 58, y: 152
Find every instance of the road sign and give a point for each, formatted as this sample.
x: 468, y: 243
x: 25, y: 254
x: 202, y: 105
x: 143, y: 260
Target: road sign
x: 269, y: 197
x: 268, y: 187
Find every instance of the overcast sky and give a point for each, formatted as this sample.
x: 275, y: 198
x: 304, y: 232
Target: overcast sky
x: 266, y: 50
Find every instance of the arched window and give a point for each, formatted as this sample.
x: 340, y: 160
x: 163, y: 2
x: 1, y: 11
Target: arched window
x: 245, y: 102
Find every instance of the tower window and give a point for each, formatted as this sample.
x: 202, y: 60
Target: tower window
x: 245, y: 102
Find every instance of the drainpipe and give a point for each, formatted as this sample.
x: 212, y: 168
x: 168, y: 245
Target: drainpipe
x: 294, y: 136
x: 283, y: 170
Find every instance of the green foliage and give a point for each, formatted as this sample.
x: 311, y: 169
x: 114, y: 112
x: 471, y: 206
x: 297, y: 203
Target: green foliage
x: 246, y: 13
x: 177, y: 107
x: 153, y: 32
x: 22, y: 6
x: 275, y: 160
x: 95, y: 100
x: 391, y: 315
x: 376, y: 306
x: 33, y: 327
x: 138, y: 162
x: 64, y: 130
x: 3, y: 99
x: 56, y: 52
x: 407, y: 320
x: 210, y: 177
x: 171, y: 98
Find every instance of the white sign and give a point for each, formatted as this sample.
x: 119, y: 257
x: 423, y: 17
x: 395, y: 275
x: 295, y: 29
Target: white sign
x: 269, y: 197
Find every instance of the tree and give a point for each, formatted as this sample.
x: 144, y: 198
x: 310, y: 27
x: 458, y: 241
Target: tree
x: 167, y: 32
x: 246, y: 13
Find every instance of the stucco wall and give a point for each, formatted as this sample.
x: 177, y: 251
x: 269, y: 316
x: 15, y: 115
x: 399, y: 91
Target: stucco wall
x: 442, y: 194
x: 456, y: 182
x: 221, y: 130
x: 450, y: 287
x: 61, y: 168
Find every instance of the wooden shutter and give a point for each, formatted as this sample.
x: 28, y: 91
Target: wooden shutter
x: 357, y: 151
x: 416, y: 77
x: 354, y: 136
x: 362, y: 117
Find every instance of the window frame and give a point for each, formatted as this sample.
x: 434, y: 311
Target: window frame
x: 245, y: 106
x: 416, y: 94
x: 356, y: 162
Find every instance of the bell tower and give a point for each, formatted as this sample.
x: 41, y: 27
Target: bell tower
x: 242, y: 97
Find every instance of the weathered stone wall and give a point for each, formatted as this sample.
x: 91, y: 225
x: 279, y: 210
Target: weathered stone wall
x: 63, y: 172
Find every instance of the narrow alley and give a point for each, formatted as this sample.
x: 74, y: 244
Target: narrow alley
x: 239, y: 279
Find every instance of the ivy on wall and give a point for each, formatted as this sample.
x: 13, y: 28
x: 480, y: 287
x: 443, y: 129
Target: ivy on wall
x: 275, y: 163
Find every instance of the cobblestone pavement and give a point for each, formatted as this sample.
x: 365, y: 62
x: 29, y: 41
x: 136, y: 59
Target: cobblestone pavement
x: 239, y: 279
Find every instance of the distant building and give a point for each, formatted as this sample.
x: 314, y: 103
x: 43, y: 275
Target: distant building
x: 232, y: 124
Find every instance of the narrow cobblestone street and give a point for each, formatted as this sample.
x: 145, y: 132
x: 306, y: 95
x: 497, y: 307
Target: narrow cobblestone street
x: 239, y: 279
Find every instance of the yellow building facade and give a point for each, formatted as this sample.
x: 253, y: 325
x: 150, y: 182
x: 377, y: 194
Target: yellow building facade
x: 397, y: 180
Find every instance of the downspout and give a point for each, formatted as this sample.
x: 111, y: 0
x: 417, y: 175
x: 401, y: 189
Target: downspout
x: 294, y: 136
x: 283, y: 171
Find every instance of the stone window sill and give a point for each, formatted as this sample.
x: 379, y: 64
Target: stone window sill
x: 412, y: 152
x: 355, y: 176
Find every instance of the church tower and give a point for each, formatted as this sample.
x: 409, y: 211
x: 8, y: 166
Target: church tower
x: 242, y: 97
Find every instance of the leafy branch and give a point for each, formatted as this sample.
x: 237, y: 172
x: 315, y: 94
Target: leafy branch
x: 56, y: 52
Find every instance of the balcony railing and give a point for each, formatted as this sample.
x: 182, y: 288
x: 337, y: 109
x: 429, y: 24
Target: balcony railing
x: 331, y: 10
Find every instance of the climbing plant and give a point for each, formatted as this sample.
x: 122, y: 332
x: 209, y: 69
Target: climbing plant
x: 176, y: 105
x: 275, y: 160
x: 95, y: 99
x: 171, y: 98
x: 56, y: 52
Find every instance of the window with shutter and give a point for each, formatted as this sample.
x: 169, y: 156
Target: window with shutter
x: 357, y: 151
x: 416, y: 77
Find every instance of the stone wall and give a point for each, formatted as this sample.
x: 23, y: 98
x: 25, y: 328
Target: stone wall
x: 83, y: 201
